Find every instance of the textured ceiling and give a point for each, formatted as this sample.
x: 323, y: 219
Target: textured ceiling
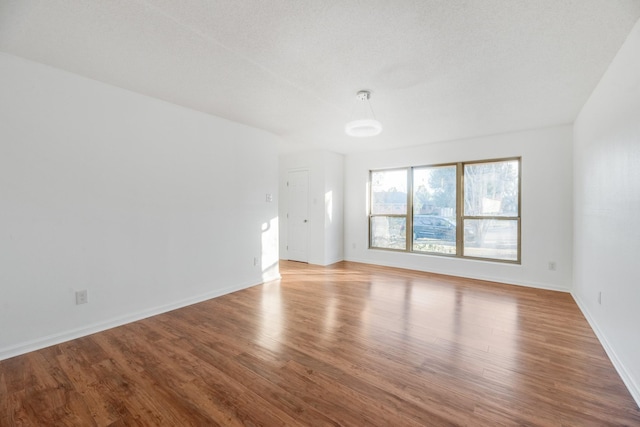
x: 438, y: 70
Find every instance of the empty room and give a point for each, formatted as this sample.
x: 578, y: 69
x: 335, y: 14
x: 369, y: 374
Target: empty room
x: 303, y: 213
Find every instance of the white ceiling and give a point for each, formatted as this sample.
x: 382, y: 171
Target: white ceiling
x: 438, y: 70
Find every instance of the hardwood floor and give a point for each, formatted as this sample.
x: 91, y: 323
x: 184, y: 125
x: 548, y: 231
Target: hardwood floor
x: 349, y: 344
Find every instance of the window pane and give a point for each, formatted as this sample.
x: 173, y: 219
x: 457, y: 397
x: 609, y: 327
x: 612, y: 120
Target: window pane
x: 491, y: 189
x: 434, y: 191
x: 388, y: 232
x: 434, y: 234
x: 434, y: 209
x: 389, y: 192
x: 491, y: 238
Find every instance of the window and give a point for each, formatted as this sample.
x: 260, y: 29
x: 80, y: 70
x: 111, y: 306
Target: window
x: 491, y: 209
x: 469, y: 209
x: 434, y: 209
x: 388, y: 220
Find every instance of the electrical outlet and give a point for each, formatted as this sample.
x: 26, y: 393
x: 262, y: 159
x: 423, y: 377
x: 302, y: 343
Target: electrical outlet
x: 255, y: 261
x: 600, y: 297
x: 81, y: 297
x: 552, y: 265
x: 269, y: 198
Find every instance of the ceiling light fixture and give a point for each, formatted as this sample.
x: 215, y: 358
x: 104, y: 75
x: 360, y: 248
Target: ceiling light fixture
x: 364, y: 123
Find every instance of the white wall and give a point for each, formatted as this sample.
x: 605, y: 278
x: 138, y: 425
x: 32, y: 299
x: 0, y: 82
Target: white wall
x: 607, y: 211
x: 546, y: 206
x: 334, y: 208
x: 147, y: 205
x: 326, y: 187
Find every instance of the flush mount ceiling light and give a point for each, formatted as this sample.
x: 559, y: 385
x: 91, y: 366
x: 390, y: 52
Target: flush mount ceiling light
x: 364, y: 123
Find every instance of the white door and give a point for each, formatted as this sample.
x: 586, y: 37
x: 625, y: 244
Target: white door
x: 297, y: 217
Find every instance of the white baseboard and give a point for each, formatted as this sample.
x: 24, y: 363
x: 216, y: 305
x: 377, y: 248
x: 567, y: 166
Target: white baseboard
x: 615, y: 360
x: 496, y: 279
x: 47, y: 341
